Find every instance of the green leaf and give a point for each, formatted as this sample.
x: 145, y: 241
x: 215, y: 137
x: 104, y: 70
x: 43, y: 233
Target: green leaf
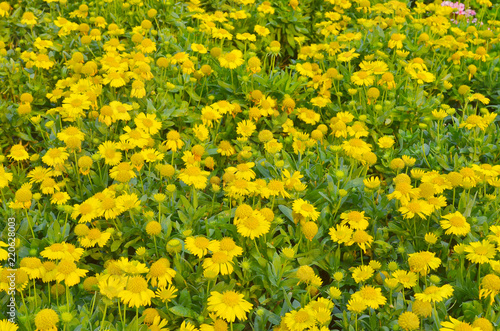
x: 115, y: 245
x: 182, y: 311
x: 287, y: 211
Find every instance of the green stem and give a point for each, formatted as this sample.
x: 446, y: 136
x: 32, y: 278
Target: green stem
x: 137, y: 318
x: 67, y: 297
x: 29, y: 223
x: 103, y: 316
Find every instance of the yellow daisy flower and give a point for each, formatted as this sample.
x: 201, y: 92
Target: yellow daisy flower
x: 229, y: 305
x: 136, y: 293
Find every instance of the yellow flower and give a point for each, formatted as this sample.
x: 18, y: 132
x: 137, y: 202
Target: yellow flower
x: 356, y: 305
x: 6, y: 325
x: 87, y: 209
x: 253, y: 226
x: 355, y: 147
x: 362, y: 239
x: 109, y: 151
x: 386, y: 142
x: 138, y: 89
x: 480, y: 251
x: 219, y: 263
x: 46, y: 320
x: 396, y: 40
x: 18, y: 153
x: 174, y: 141
x: 108, y: 207
x: 232, y: 60
x: 166, y: 294
x: 362, y: 78
x: 59, y: 251
x: 95, y: 237
x: 474, y: 121
x: 483, y: 324
x: 193, y: 175
x: 409, y: 321
x: 302, y: 319
x: 455, y: 223
x: 209, y: 115
x: 348, y: 56
x: 456, y: 325
x: 439, y: 114
x: 5, y: 9
x: 355, y: 219
x: 261, y: 31
x: 430, y: 238
x: 111, y: 285
x: 122, y: 172
x: 75, y: 106
x: 198, y: 48
x: 309, y: 229
x: 148, y: 123
x: 435, y: 294
x: 277, y: 188
x: 340, y: 234
x: 226, y: 245
x: 229, y: 305
x: 422, y: 308
x: 423, y: 261
x: 55, y: 156
x: 68, y: 272
x: 406, y: 278
x: 416, y: 207
x: 136, y: 293
x: 31, y: 265
x: 371, y: 183
x: 160, y: 273
x: 305, y: 209
x: 197, y: 245
x: 490, y: 286
x: 362, y: 273
x: 371, y: 296
x: 245, y: 128
x: 6, y: 177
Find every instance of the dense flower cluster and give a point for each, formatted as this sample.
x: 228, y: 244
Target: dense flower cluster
x: 264, y: 165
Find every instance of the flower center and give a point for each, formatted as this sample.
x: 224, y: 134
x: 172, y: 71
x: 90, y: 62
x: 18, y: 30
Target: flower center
x: 158, y: 269
x: 251, y: 223
x: 219, y: 257
x: 66, y: 267
x: 481, y: 250
x: 201, y: 242
x: 230, y: 298
x: 94, y: 234
x: 85, y: 208
x: 301, y: 317
x: 192, y: 171
x: 227, y: 244
x: 457, y: 221
x: 147, y: 122
x: 76, y: 103
x: 306, y: 207
x: 137, y: 285
x: 108, y: 203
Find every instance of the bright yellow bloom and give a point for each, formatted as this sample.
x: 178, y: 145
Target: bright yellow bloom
x: 136, y: 293
x: 455, y: 223
x: 229, y: 305
x: 435, y: 294
x: 480, y: 251
x: 423, y: 261
x: 305, y: 209
x: 232, y: 60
